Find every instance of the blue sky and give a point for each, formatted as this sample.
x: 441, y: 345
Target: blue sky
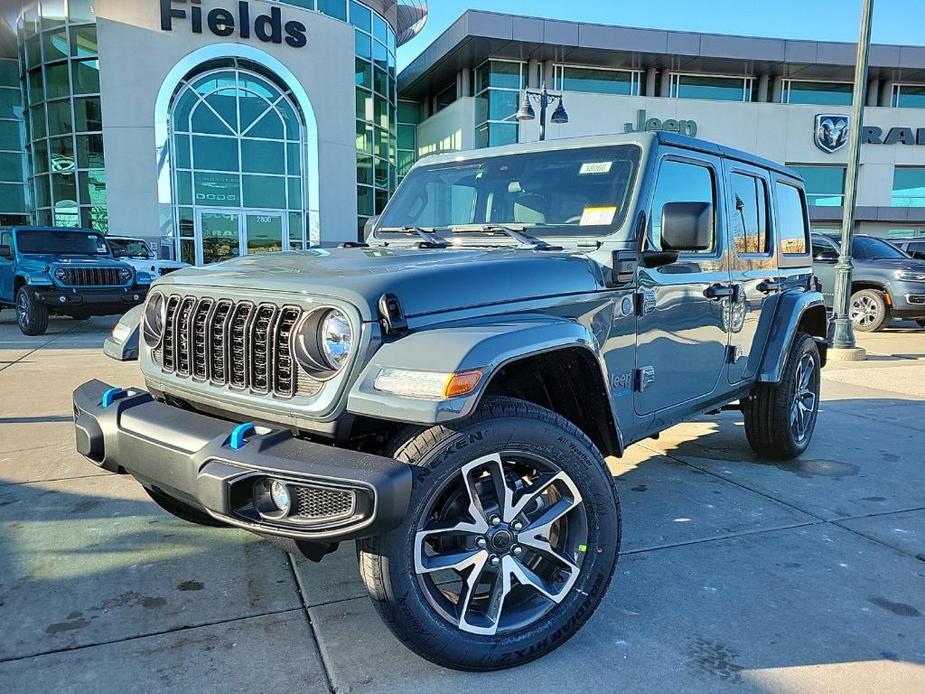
x: 895, y: 21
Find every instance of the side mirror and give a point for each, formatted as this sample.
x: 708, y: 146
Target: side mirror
x: 687, y: 226
x: 6, y: 252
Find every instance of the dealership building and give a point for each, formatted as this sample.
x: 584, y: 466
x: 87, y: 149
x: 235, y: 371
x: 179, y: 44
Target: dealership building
x: 785, y: 100
x: 231, y: 127
x: 225, y: 127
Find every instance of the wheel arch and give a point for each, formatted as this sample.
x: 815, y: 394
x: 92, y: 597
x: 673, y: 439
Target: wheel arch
x: 505, y: 352
x: 567, y: 381
x: 797, y: 311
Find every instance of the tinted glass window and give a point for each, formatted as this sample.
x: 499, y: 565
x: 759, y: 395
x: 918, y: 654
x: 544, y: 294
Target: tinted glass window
x: 867, y: 248
x: 909, y: 186
x: 791, y: 223
x: 580, y: 79
x: 681, y: 182
x: 824, y: 251
x: 57, y: 242
x: 749, y: 214
x: 825, y: 185
x: 828, y: 93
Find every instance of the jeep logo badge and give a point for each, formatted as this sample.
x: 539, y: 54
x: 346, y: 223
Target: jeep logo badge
x: 831, y: 132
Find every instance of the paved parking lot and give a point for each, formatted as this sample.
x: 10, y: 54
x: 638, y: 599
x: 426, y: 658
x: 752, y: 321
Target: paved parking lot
x: 737, y: 574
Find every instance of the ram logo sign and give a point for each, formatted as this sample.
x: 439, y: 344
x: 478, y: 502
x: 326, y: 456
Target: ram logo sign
x: 831, y: 132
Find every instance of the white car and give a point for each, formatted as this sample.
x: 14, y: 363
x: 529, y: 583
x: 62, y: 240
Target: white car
x: 137, y: 253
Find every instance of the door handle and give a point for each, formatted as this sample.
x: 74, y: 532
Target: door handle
x: 719, y: 291
x: 769, y: 286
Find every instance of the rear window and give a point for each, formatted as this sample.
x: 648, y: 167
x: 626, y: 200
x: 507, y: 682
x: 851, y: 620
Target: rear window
x: 793, y: 227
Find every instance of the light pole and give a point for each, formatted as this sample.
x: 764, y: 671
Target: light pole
x: 544, y: 99
x: 843, y: 340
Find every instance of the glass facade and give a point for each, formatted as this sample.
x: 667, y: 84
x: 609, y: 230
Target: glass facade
x: 825, y: 185
x: 711, y: 87
x: 569, y: 78
x: 909, y: 95
x: 823, y: 93
x: 909, y: 186
x: 13, y: 208
x: 58, y: 54
x: 376, y: 102
x: 498, y: 87
x: 237, y: 144
x: 409, y: 117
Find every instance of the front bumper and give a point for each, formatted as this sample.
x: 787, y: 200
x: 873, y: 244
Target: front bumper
x: 908, y: 299
x: 201, y: 461
x: 102, y: 301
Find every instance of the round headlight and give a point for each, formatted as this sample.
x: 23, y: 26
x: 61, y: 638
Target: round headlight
x: 61, y: 274
x: 125, y: 274
x: 335, y: 338
x: 153, y: 321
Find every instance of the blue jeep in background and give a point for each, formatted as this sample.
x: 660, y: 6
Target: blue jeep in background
x: 49, y: 270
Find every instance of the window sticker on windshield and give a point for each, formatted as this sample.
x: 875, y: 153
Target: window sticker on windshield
x: 595, y: 167
x: 598, y: 216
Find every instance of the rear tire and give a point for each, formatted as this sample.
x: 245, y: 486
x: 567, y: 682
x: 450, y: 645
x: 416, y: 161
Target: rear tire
x: 31, y: 314
x: 869, y: 311
x: 183, y: 511
x: 780, y: 417
x: 564, y: 505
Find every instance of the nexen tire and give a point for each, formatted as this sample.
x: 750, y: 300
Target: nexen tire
x: 387, y: 563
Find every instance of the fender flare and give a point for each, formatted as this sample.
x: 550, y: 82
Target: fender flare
x: 480, y: 344
x: 792, y: 306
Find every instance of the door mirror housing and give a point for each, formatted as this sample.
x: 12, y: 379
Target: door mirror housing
x: 687, y: 226
x: 6, y: 252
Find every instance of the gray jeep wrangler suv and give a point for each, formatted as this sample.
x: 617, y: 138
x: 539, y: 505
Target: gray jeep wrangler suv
x: 446, y: 395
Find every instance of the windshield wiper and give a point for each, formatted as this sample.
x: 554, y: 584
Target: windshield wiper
x: 430, y: 236
x: 518, y: 234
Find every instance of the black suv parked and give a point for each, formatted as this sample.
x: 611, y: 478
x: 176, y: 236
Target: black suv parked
x: 886, y: 282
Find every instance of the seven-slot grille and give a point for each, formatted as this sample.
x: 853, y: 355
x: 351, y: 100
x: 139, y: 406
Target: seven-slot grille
x: 244, y: 345
x: 322, y: 503
x: 93, y: 277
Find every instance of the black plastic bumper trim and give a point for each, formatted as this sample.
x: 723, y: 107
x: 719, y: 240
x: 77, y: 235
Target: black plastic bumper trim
x: 186, y: 455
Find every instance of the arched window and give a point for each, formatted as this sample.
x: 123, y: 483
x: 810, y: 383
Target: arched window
x: 238, y: 164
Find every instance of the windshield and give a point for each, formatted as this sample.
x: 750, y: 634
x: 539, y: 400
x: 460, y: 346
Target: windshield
x: 867, y: 248
x: 130, y: 248
x: 565, y: 192
x: 61, y: 242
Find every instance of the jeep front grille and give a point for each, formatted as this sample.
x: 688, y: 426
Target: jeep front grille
x: 93, y: 277
x: 243, y: 345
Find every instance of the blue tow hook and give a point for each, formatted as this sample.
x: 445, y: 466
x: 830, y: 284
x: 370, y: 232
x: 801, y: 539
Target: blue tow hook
x: 239, y: 435
x: 111, y: 395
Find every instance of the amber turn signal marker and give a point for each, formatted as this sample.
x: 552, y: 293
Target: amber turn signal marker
x: 462, y: 383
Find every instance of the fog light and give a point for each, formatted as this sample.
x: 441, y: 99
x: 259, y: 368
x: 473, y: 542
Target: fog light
x: 279, y: 493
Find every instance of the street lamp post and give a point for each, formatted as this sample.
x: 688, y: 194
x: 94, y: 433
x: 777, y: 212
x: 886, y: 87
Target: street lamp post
x: 544, y: 98
x: 843, y: 339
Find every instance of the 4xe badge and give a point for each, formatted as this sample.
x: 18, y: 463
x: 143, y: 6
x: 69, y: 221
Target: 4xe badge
x: 831, y: 132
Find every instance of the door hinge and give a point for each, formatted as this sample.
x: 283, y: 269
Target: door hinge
x: 734, y: 353
x: 645, y: 377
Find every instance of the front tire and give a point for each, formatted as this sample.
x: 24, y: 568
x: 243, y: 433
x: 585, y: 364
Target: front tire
x: 780, y: 418
x: 510, y: 543
x: 869, y: 311
x: 31, y: 314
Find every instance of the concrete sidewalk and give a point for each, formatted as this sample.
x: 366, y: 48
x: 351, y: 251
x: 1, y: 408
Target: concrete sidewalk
x: 736, y: 574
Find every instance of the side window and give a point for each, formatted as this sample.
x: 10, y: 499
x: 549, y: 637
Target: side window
x: 749, y: 214
x: 681, y: 182
x: 916, y: 250
x: 791, y: 222
x: 6, y: 238
x: 823, y: 250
